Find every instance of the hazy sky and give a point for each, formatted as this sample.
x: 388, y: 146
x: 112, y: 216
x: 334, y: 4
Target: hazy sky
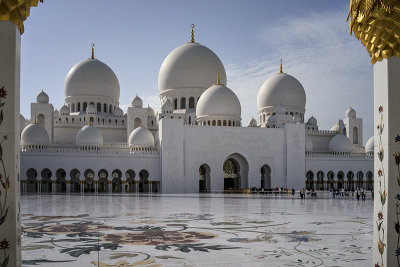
x: 134, y: 37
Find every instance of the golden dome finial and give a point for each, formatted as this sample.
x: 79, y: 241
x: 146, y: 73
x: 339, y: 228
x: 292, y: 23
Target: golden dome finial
x: 192, y: 35
x: 218, y: 80
x: 141, y: 124
x: 280, y: 68
x: 34, y: 120
x: 92, y: 57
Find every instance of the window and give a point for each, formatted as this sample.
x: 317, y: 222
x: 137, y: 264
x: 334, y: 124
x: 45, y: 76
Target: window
x: 98, y: 107
x: 175, y: 103
x: 105, y: 108
x: 355, y: 135
x: 79, y: 107
x: 183, y: 103
x: 84, y: 106
x: 191, y: 102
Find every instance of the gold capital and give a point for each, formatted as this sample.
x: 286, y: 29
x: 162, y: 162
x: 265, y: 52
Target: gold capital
x: 92, y: 57
x: 16, y: 11
x: 192, y: 36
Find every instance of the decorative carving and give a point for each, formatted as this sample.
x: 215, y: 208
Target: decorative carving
x: 16, y: 11
x: 376, y: 23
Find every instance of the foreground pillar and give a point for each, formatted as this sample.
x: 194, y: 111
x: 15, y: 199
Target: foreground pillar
x: 10, y: 45
x: 386, y: 242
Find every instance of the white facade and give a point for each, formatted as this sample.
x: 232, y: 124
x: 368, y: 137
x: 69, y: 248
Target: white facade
x: 195, y: 143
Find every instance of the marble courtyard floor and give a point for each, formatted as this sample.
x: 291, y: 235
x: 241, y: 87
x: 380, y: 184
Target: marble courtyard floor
x: 194, y: 230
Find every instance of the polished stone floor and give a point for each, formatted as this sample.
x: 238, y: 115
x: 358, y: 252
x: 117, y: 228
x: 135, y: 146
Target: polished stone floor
x: 194, y: 230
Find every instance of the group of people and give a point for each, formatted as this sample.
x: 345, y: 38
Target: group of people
x: 303, y: 193
x: 360, y: 193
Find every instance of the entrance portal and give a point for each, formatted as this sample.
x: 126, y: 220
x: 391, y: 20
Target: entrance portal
x: 266, y: 177
x: 204, y: 181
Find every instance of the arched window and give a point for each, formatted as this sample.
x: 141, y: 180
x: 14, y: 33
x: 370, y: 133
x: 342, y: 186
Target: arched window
x: 79, y: 107
x: 175, y: 103
x: 84, y: 106
x: 213, y: 122
x: 137, y: 123
x: 183, y: 102
x: 110, y: 109
x: 191, y: 102
x: 229, y: 123
x: 105, y: 108
x: 190, y: 120
x: 208, y: 123
x: 73, y: 107
x: 355, y: 135
x: 224, y: 123
x: 41, y: 120
x: 219, y: 122
x: 98, y: 107
x: 233, y: 123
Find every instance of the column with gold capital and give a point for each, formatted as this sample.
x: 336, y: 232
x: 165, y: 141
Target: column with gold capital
x: 376, y: 25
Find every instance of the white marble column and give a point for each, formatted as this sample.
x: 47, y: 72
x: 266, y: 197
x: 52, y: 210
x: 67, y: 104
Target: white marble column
x: 82, y: 183
x: 96, y: 185
x: 10, y: 232
x: 67, y: 186
x: 386, y: 241
x: 109, y: 186
x: 39, y: 185
x: 53, y: 185
x: 123, y: 184
x: 150, y: 186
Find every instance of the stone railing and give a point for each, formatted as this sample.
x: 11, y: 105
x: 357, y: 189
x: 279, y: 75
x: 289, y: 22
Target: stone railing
x: 312, y: 155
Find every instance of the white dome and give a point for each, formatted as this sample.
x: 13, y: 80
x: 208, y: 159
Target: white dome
x: 89, y: 136
x: 369, y: 146
x: 252, y: 122
x: 218, y: 100
x: 118, y: 112
x: 312, y: 121
x: 190, y: 66
x: 338, y: 127
x: 91, y: 109
x: 309, y: 144
x: 22, y: 123
x: 141, y: 137
x: 91, y: 77
x: 42, y: 97
x: 34, y: 134
x: 340, y: 143
x: 150, y: 111
x: 350, y: 113
x: 167, y: 107
x: 137, y: 102
x: 64, y: 110
x: 296, y: 118
x: 281, y: 89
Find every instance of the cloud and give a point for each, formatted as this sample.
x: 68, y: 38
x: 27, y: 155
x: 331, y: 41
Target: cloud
x: 332, y: 66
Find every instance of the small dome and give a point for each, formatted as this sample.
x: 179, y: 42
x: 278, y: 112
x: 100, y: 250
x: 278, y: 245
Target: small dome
x: 89, y: 136
x: 118, y: 112
x: 309, y: 144
x: 350, y: 113
x: 91, y: 109
x: 141, y: 137
x: 281, y: 89
x: 190, y: 66
x: 312, y: 121
x: 91, y: 77
x: 34, y: 134
x: 167, y: 107
x: 42, y: 97
x: 340, y: 143
x: 218, y: 100
x: 369, y: 146
x: 64, y: 110
x: 252, y: 122
x: 137, y: 102
x: 296, y: 118
x: 150, y: 111
x: 338, y: 127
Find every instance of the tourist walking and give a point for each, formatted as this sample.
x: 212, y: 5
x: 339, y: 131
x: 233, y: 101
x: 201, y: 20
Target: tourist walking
x: 358, y: 194
x: 363, y: 194
x: 293, y: 192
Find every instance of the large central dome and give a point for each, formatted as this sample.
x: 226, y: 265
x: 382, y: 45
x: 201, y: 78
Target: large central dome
x: 190, y: 66
x: 91, y: 77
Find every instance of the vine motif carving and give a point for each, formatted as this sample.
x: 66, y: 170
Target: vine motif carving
x: 5, y: 184
x: 382, y: 191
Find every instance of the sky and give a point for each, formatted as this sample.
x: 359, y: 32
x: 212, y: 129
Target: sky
x: 250, y: 37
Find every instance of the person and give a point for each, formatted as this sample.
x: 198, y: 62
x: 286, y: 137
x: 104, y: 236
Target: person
x: 358, y: 194
x: 302, y: 193
x: 330, y: 192
x: 293, y: 192
x: 313, y: 193
x: 363, y: 194
x: 372, y: 193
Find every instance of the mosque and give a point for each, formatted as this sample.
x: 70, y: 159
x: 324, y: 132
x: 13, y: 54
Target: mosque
x: 197, y: 142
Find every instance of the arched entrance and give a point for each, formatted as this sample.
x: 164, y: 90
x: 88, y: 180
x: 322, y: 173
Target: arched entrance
x: 360, y: 177
x: 331, y: 181
x: 31, y: 174
x: 236, y: 171
x: 103, y: 175
x: 310, y: 180
x: 204, y: 180
x: 75, y: 182
x: 61, y: 183
x: 340, y: 178
x: 46, y: 180
x: 320, y: 178
x: 266, y: 177
x: 130, y: 180
x: 350, y: 180
x: 143, y: 181
x: 89, y: 181
x: 117, y: 182
x: 370, y: 180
